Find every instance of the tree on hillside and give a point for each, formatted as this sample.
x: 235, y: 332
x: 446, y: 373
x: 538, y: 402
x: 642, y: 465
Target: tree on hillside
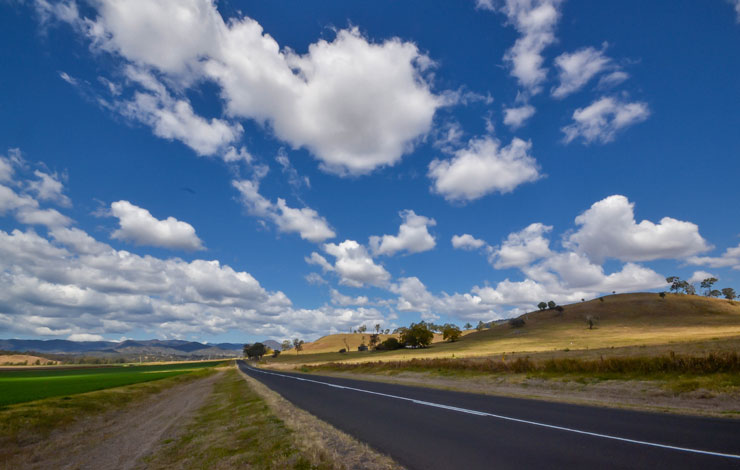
x: 451, y: 333
x: 551, y: 304
x: 714, y: 293
x: 362, y: 328
x: 467, y: 326
x: 377, y: 328
x: 678, y: 285
x: 480, y: 326
x: 287, y: 345
x: 245, y: 349
x: 256, y: 351
x: 707, y: 284
x: 675, y: 283
x: 417, y: 335
x: 662, y: 295
x: 298, y: 345
x: 542, y: 305
x: 729, y: 293
x: 374, y: 339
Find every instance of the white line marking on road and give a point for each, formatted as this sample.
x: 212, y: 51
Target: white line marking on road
x: 507, y: 418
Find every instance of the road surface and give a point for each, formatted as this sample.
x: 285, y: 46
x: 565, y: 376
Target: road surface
x: 438, y: 429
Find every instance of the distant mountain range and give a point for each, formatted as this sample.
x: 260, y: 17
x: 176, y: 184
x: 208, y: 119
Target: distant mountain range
x: 155, y: 347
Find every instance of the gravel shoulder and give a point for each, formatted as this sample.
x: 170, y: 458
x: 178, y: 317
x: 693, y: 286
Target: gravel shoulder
x: 121, y: 438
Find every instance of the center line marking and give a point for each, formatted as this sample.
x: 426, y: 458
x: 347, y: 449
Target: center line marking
x: 507, y: 418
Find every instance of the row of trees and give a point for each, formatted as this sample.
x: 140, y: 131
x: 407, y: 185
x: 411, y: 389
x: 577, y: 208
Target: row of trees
x: 679, y: 286
x: 416, y: 335
x: 363, y: 329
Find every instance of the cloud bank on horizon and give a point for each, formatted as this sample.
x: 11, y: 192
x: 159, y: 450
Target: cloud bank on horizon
x: 383, y: 151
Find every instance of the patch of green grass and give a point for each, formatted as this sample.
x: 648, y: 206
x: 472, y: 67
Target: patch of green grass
x: 234, y: 429
x: 23, y: 424
x: 20, y: 386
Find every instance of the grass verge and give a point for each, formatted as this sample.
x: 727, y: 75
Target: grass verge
x: 316, y: 437
x: 236, y: 429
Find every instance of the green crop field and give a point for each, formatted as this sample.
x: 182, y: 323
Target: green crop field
x: 27, y: 385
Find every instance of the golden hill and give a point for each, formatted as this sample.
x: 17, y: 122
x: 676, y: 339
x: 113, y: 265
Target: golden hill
x: 333, y: 343
x: 623, y: 320
x: 24, y: 359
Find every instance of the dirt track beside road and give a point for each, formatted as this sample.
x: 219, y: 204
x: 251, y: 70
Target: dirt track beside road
x: 119, y: 439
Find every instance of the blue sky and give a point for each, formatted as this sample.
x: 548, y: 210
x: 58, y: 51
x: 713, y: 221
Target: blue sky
x: 248, y: 170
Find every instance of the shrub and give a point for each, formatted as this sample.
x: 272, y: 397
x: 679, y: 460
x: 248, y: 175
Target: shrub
x: 389, y: 345
x: 342, y: 350
x: 516, y: 322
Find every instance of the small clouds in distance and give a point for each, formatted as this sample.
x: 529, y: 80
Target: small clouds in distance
x: 337, y: 298
x: 517, y: 116
x: 522, y: 248
x: 413, y: 236
x: 535, y: 21
x: 482, y: 168
x: 699, y: 276
x: 576, y: 69
x: 730, y: 258
x: 137, y: 225
x: 306, y: 221
x: 602, y: 119
x: 467, y: 242
x: 49, y: 188
x: 353, y: 264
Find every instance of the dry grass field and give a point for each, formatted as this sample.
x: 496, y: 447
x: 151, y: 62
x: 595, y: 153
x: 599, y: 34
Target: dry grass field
x: 631, y: 324
x: 23, y: 360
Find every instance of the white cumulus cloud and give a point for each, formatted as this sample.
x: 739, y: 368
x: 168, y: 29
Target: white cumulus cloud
x: 413, y: 236
x: 354, y: 265
x: 355, y: 104
x: 482, y: 168
x: 730, y: 258
x: 535, y: 21
x: 467, y: 242
x: 608, y: 229
x: 139, y: 226
x: 517, y: 116
x: 522, y: 248
x: 602, y: 119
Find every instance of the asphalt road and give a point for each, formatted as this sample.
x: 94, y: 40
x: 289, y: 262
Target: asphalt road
x: 437, y: 429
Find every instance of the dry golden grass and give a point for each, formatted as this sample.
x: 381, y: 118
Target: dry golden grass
x: 23, y: 359
x: 641, y: 320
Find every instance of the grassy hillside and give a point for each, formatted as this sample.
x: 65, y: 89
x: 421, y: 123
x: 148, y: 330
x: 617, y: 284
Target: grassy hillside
x: 23, y: 359
x: 623, y: 320
x: 333, y: 343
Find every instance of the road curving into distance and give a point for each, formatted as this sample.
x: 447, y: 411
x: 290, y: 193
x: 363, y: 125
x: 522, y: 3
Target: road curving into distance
x: 437, y: 429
